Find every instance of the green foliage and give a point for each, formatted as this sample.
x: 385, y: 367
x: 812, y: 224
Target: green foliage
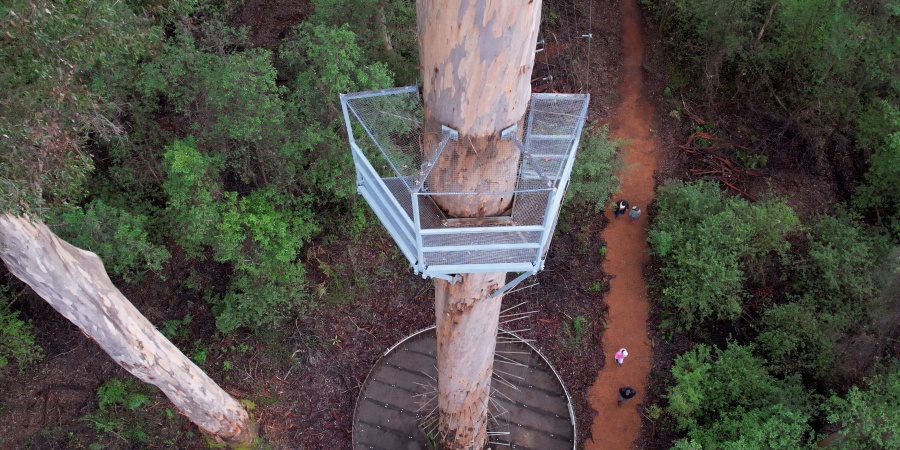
x: 62, y: 65
x: 819, y: 67
x: 868, y: 417
x: 17, y: 343
x: 653, y: 412
x: 827, y: 56
x: 261, y: 156
x: 593, y: 174
x: 119, y: 237
x: 276, y: 232
x: 234, y: 107
x: 176, y: 329
x: 575, y: 329
x: 880, y: 194
x: 720, y: 31
x: 259, y: 234
x: 549, y: 16
x: 817, y: 44
x: 128, y: 416
x: 193, y: 188
x: 706, y: 242
x: 838, y: 274
x: 320, y: 62
x: 199, y: 355
x: 728, y: 399
x: 326, y: 60
x: 262, y: 295
x: 115, y: 392
x: 795, y: 339
x: 386, y: 31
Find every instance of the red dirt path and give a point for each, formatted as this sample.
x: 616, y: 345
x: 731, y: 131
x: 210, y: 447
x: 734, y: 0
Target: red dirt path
x: 618, y: 427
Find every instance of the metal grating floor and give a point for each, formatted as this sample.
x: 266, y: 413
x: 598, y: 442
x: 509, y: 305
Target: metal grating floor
x: 532, y: 408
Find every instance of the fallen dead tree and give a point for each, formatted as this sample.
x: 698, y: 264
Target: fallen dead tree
x: 714, y: 164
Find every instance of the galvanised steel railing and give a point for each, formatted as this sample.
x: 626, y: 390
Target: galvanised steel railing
x: 386, y: 139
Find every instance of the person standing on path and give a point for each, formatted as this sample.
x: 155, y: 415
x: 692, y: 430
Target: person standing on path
x: 621, y: 207
x: 625, y: 394
x: 620, y: 355
x: 635, y: 213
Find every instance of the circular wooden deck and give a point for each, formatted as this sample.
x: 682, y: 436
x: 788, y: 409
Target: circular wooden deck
x: 530, y: 408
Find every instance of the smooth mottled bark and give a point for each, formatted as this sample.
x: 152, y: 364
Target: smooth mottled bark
x: 75, y: 283
x: 382, y: 24
x: 466, y: 330
x: 476, y: 60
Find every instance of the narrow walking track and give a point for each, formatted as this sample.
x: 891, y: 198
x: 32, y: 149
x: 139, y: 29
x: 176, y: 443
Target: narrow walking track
x: 618, y: 427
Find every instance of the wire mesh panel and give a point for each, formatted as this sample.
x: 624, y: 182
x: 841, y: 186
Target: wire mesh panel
x: 406, y: 175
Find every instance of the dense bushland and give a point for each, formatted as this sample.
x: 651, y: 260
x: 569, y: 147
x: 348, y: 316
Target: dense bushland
x: 814, y: 78
x: 708, y: 243
x: 800, y: 316
x: 142, y: 130
x: 233, y: 152
x: 775, y: 382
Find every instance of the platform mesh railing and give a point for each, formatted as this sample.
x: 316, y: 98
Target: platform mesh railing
x: 394, y: 172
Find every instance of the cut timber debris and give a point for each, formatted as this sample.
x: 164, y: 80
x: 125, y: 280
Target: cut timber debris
x: 714, y: 164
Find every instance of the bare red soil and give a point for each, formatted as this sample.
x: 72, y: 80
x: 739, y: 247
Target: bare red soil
x: 632, y: 120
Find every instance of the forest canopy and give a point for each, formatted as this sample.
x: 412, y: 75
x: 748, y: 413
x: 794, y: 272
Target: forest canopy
x: 167, y: 134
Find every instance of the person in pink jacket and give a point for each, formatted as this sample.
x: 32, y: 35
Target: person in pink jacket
x: 620, y: 355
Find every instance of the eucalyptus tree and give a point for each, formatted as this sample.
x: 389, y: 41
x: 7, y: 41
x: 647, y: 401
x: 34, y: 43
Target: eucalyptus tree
x: 476, y: 60
x: 59, y: 65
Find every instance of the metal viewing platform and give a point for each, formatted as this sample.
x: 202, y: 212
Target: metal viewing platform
x: 386, y: 139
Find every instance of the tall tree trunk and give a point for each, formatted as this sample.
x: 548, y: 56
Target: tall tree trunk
x: 75, y: 283
x: 476, y: 60
x: 382, y: 24
x: 466, y: 328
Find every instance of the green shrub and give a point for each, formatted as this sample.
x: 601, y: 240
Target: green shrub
x: 176, y: 329
x: 259, y: 234
x: 728, y: 399
x: 193, y: 187
x: 262, y: 294
x: 593, y: 175
x: 375, y: 22
x: 17, y: 342
x: 574, y: 330
x: 117, y: 236
x: 880, y: 138
x: 868, y: 417
x: 231, y: 102
x: 838, y: 274
x: 706, y: 242
x: 126, y: 414
x: 795, y: 339
x: 115, y: 392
